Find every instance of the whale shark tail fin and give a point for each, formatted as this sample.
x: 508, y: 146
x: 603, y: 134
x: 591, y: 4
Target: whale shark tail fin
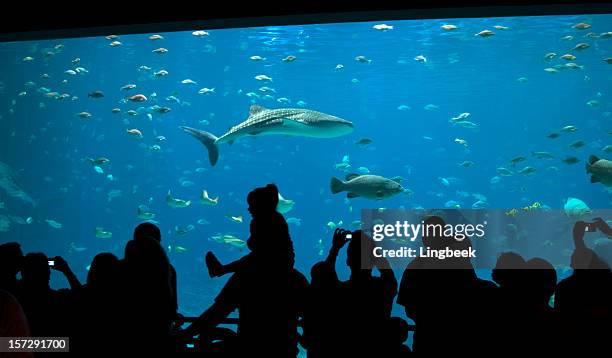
x: 208, y: 139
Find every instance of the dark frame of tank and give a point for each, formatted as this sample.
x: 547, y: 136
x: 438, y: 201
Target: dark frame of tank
x: 479, y: 11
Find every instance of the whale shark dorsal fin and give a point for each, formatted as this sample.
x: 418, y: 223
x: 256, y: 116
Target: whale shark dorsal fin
x: 254, y: 109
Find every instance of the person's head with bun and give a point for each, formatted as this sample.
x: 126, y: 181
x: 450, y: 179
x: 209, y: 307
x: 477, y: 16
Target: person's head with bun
x: 263, y: 200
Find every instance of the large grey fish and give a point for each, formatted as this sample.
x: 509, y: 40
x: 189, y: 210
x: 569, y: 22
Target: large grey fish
x: 367, y: 186
x: 600, y: 170
x: 287, y: 121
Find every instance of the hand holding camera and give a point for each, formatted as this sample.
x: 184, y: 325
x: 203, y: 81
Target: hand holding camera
x: 597, y: 224
x: 59, y: 264
x: 341, y: 237
x: 601, y: 225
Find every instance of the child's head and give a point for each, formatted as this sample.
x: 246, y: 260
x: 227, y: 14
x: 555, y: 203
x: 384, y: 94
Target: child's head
x: 263, y: 200
x: 147, y: 230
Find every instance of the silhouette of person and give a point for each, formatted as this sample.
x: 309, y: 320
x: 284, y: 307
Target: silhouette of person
x: 584, y: 299
x: 13, y: 322
x: 103, y: 273
x: 46, y: 309
x: 510, y: 273
x: 320, y: 324
x: 262, y: 202
x: 150, y: 305
x: 11, y: 259
x: 449, y: 304
x: 368, y: 299
x: 540, y: 321
x: 357, y: 322
x: 526, y: 322
x: 100, y: 306
x: 269, y: 296
x: 151, y: 231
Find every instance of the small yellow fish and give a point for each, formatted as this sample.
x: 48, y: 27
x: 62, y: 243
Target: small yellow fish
x: 512, y: 212
x: 532, y: 207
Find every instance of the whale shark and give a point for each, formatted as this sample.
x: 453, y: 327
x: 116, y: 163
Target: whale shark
x: 286, y: 121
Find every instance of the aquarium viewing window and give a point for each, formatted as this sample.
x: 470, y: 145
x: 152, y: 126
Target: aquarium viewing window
x: 496, y: 118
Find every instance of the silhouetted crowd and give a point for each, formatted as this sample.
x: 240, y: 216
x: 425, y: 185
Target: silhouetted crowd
x: 130, y: 304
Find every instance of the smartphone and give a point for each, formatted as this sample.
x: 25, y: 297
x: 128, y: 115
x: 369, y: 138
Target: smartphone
x: 349, y: 236
x: 51, y: 263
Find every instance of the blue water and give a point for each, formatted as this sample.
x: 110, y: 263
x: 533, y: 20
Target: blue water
x: 44, y: 142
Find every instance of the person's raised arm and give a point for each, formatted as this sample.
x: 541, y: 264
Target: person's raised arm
x: 578, y: 234
x: 62, y: 266
x: 338, y: 241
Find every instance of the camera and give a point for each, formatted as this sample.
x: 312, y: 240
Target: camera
x: 51, y: 263
x: 349, y: 236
